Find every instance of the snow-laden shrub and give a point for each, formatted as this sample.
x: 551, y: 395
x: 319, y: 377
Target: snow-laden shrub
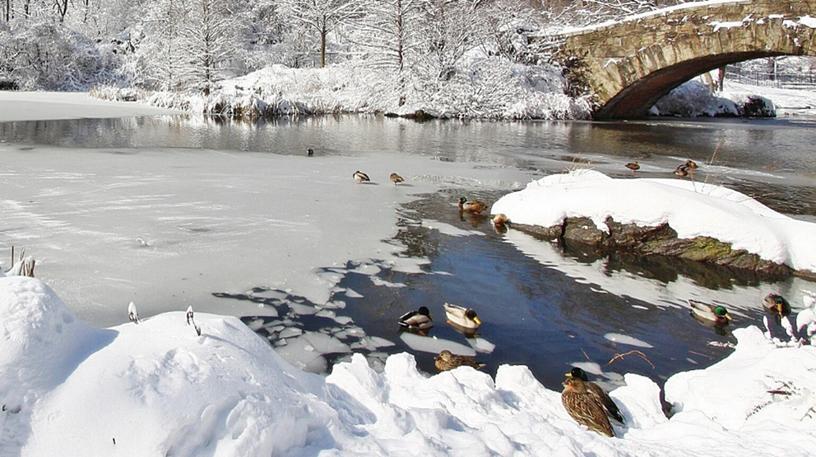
x: 482, y: 87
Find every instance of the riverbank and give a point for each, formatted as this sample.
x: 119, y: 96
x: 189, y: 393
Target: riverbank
x: 157, y: 387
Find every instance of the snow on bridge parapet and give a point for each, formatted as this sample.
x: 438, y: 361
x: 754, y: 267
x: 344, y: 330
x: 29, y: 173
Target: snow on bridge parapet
x: 628, y: 65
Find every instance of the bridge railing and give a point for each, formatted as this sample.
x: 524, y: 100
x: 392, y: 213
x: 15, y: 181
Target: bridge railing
x: 783, y: 80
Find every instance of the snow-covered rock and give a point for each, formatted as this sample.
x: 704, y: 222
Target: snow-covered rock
x: 692, y: 209
x: 156, y: 388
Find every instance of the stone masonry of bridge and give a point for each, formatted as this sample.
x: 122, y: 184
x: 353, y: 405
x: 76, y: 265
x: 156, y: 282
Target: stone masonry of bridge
x: 627, y: 66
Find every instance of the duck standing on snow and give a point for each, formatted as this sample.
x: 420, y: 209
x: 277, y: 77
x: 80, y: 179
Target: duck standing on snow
x: 778, y: 309
x: 716, y: 314
x: 417, y: 320
x: 607, y: 402
x: 395, y: 178
x: 191, y: 320
x: 585, y: 407
x: 471, y: 206
x: 465, y: 318
x: 446, y: 360
x: 133, y: 315
x: 360, y: 177
x: 634, y: 166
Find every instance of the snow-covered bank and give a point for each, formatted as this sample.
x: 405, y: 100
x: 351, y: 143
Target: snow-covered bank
x: 155, y: 388
x: 695, y: 99
x: 690, y: 208
x: 482, y: 87
x: 40, y: 106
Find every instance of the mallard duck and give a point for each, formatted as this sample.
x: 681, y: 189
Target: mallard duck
x: 419, y: 319
x: 309, y: 152
x: 585, y: 407
x: 607, y: 402
x: 500, y: 220
x: 708, y: 312
x: 359, y: 176
x: 681, y: 171
x: 396, y: 179
x: 465, y: 318
x: 472, y: 206
x: 691, y: 165
x: 446, y: 360
x: 776, y: 304
x: 634, y: 166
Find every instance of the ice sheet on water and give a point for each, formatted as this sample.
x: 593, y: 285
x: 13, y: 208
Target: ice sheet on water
x: 435, y: 345
x: 627, y: 340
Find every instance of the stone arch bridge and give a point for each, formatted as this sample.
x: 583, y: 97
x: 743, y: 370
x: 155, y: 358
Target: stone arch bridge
x: 627, y: 66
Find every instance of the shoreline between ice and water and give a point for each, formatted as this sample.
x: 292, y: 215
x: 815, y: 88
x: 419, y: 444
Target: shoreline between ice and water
x: 157, y: 388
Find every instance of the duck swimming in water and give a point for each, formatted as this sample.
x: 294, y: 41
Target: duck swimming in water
x: 708, y: 312
x: 682, y: 171
x: 691, y: 165
x: 417, y: 320
x: 472, y: 206
x: 466, y: 318
x: 634, y: 166
x: 395, y: 178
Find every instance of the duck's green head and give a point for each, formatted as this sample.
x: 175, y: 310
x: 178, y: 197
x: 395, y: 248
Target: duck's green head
x: 721, y: 311
x: 470, y: 314
x: 577, y: 373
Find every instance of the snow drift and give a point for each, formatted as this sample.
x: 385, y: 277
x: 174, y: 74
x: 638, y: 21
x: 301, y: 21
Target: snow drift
x: 155, y: 388
x: 691, y: 208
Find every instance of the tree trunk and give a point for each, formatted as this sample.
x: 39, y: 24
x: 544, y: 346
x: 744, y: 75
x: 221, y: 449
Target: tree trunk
x: 8, y: 10
x: 323, y: 34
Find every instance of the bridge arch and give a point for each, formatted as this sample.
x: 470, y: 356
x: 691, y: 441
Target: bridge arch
x: 629, y: 65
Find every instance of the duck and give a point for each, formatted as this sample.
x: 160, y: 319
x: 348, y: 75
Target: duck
x: 417, y: 320
x: 471, y: 206
x: 446, y: 360
x: 634, y: 166
x: 708, y: 312
x: 465, y: 318
x: 585, y: 407
x: 360, y: 177
x: 691, y: 165
x: 682, y: 171
x: 776, y: 304
x: 395, y: 178
x: 607, y: 402
x: 133, y: 315
x: 500, y: 220
x: 309, y: 152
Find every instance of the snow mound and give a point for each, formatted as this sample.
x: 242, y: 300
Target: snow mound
x: 695, y: 99
x: 692, y: 209
x: 156, y: 388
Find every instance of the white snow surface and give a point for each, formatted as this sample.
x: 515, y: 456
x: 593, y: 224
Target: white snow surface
x: 38, y: 106
x: 692, y: 209
x: 158, y: 389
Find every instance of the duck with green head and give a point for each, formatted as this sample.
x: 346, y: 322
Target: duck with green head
x: 716, y: 314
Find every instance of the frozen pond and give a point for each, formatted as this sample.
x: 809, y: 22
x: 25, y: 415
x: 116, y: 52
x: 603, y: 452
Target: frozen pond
x: 234, y: 219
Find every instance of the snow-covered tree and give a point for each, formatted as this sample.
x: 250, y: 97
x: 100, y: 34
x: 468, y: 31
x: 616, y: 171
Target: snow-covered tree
x: 207, y: 39
x: 321, y: 16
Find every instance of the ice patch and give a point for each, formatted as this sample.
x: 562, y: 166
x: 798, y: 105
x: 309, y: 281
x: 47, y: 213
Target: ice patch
x: 627, y: 340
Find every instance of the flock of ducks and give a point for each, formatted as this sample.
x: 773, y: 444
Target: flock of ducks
x: 463, y: 320
x: 683, y: 170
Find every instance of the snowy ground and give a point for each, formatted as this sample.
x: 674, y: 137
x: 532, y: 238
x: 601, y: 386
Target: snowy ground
x: 691, y: 208
x: 155, y: 388
x: 39, y: 106
x: 695, y: 99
